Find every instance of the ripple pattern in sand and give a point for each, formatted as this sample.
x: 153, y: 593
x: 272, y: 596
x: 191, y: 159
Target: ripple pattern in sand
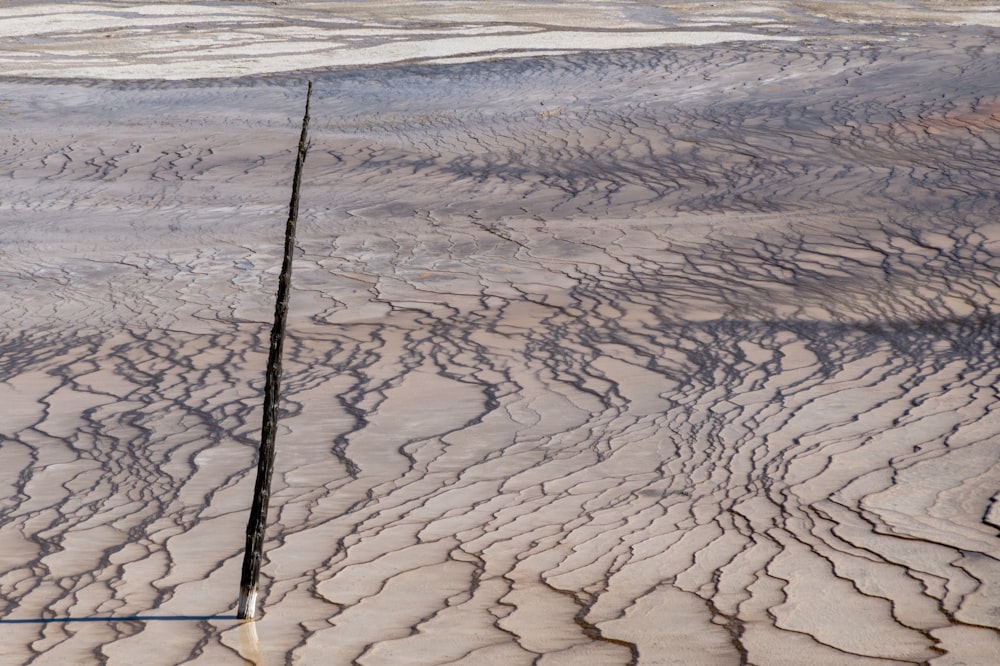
x: 648, y: 357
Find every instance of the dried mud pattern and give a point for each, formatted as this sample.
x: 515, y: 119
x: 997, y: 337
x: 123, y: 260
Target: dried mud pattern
x: 648, y: 357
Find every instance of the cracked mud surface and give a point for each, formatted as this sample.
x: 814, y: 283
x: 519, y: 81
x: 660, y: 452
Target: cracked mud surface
x: 669, y: 355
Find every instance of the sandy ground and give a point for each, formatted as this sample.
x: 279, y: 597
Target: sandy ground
x: 682, y: 354
x: 185, y: 40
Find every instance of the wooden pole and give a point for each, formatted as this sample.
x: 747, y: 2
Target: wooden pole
x: 272, y: 388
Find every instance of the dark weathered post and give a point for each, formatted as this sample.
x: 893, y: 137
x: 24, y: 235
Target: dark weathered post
x: 272, y: 388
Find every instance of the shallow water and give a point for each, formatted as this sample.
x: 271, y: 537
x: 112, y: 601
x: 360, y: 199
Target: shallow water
x: 665, y: 355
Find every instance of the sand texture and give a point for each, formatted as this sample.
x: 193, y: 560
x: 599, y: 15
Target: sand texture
x: 680, y: 355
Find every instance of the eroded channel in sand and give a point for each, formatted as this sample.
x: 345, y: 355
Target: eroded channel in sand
x: 686, y: 349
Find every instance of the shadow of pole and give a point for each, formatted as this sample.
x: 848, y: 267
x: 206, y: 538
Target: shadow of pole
x: 123, y: 618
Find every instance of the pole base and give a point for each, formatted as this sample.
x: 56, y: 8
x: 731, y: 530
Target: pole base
x: 247, y: 607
